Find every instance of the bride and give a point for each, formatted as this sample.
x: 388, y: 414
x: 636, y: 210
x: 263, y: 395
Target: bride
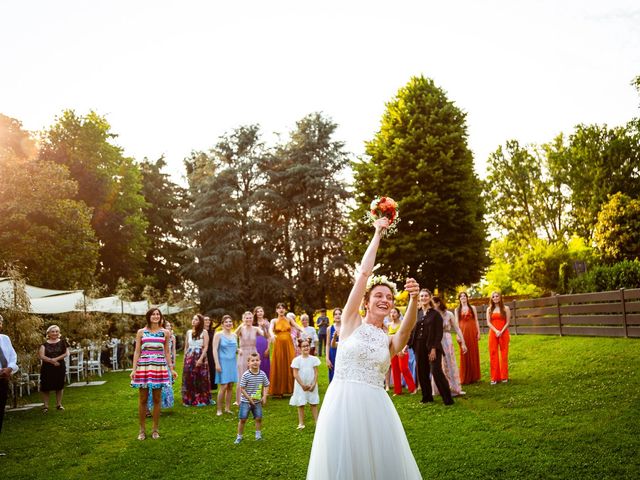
x: 359, y: 434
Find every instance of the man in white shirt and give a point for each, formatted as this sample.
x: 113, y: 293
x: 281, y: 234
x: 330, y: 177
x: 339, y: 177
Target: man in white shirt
x: 8, y: 366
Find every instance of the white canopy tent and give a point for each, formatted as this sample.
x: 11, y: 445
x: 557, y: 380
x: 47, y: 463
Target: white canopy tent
x: 46, y: 301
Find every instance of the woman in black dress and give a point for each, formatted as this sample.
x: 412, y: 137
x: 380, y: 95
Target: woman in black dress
x: 53, y: 369
x: 211, y: 330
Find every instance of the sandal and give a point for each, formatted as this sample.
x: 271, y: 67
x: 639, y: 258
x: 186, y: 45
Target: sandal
x: 59, y: 407
x: 45, y: 409
x: 155, y: 435
x: 142, y: 436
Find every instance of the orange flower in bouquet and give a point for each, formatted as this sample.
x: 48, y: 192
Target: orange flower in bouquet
x: 385, y: 207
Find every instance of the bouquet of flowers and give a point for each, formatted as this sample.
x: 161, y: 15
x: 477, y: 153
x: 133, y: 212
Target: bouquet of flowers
x: 385, y: 207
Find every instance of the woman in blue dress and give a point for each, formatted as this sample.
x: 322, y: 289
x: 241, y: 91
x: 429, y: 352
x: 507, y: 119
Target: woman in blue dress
x: 334, y: 338
x: 225, y: 346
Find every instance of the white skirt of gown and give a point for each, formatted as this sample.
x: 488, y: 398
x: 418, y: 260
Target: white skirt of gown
x: 347, y: 433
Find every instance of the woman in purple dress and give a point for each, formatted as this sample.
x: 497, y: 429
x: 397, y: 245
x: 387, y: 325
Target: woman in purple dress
x: 262, y: 341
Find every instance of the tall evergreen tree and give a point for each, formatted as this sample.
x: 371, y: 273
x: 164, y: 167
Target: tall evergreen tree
x: 304, y: 197
x: 227, y: 256
x: 420, y: 158
x: 165, y: 202
x: 109, y: 183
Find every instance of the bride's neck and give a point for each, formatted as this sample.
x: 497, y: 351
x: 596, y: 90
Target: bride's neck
x: 376, y: 321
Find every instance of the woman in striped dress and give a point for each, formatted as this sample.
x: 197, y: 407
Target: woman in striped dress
x: 152, y: 368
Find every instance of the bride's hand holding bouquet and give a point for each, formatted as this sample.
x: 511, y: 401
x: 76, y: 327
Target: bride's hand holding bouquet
x: 381, y: 225
x: 384, y: 208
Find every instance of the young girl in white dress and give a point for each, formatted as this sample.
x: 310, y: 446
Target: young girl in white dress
x: 305, y: 389
x: 359, y: 433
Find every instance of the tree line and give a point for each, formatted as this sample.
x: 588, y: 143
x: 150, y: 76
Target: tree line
x: 259, y: 223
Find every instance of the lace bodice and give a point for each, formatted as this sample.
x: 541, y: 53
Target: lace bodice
x: 364, y: 356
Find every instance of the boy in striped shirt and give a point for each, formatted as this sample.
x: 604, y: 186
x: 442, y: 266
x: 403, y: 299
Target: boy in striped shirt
x: 254, y: 387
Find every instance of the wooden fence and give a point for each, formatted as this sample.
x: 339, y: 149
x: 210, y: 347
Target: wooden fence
x: 601, y: 314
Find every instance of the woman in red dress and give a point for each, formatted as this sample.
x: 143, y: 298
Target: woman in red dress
x: 498, y: 317
x: 467, y: 318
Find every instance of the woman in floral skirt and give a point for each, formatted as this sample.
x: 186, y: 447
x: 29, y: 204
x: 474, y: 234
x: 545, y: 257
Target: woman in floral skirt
x: 196, y: 384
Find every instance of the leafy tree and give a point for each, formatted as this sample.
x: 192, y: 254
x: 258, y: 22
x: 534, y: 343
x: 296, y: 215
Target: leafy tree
x: 42, y: 227
x: 108, y: 182
x: 535, y: 267
x: 501, y: 275
x: 617, y: 233
x: 304, y: 199
x: 165, y: 200
x: 598, y: 161
x: 524, y: 195
x: 420, y: 158
x: 227, y: 256
x: 15, y: 142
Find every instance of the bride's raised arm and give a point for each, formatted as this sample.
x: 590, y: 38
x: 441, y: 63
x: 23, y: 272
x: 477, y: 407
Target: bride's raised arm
x: 399, y: 340
x: 351, y: 313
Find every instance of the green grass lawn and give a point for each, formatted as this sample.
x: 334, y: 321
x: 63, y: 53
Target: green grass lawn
x: 571, y: 410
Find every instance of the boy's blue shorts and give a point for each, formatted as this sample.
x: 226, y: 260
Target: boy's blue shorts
x: 246, y: 407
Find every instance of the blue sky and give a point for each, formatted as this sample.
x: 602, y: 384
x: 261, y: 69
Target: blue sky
x: 173, y: 76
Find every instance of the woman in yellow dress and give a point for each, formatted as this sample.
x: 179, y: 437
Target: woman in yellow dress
x: 282, y: 381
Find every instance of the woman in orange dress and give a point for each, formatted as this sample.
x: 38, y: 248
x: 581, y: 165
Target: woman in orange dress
x: 467, y: 318
x: 282, y: 381
x: 498, y: 317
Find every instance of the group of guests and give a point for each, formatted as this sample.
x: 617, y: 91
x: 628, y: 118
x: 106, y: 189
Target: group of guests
x: 433, y: 348
x: 222, y: 358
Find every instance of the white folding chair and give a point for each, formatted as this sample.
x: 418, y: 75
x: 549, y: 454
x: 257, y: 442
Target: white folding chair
x: 93, y: 363
x: 34, y: 378
x: 113, y: 357
x: 23, y: 382
x: 75, y: 364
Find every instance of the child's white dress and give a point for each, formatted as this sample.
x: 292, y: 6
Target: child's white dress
x: 306, y: 372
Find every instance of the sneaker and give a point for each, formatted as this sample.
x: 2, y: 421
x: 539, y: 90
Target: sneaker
x: 493, y: 382
x: 505, y: 381
x: 300, y: 427
x: 238, y: 440
x: 258, y: 436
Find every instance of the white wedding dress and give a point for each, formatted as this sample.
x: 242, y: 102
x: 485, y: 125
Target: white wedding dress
x: 359, y: 434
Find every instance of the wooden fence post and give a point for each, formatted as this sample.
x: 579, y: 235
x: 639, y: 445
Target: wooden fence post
x: 559, y: 314
x: 515, y: 317
x: 624, y: 314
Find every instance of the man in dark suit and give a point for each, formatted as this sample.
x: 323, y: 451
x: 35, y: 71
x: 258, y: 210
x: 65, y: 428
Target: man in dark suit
x: 426, y: 341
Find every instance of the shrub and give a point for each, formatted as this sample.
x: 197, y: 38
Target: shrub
x: 602, y: 278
